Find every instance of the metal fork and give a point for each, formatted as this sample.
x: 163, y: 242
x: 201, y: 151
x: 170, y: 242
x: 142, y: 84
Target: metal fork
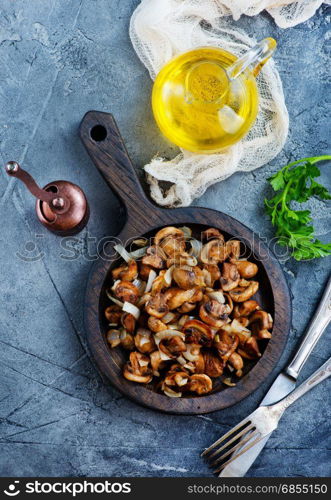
x: 259, y: 424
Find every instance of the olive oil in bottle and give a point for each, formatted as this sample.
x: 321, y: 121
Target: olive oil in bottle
x: 206, y: 99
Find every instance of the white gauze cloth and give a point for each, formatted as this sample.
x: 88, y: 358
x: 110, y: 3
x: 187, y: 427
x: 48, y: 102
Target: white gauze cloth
x: 159, y: 30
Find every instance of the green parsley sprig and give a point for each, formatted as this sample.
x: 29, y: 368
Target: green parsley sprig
x: 296, y: 182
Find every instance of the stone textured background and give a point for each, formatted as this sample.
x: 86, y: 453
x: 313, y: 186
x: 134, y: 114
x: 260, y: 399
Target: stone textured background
x: 58, y: 60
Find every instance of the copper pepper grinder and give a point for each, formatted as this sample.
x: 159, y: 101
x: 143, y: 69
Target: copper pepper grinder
x: 61, y: 206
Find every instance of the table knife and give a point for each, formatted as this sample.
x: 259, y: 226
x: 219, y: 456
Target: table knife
x: 286, y: 381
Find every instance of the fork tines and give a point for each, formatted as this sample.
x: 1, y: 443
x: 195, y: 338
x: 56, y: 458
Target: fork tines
x: 241, y: 437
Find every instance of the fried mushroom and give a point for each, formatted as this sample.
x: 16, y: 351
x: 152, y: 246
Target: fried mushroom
x: 187, y: 277
x: 245, y: 268
x: 144, y: 341
x: 213, y: 365
x: 199, y: 363
x: 244, y: 291
x: 156, y: 305
x: 128, y: 322
x: 197, y: 332
x: 213, y: 275
x: 157, y: 363
x: 113, y: 314
x: 261, y: 322
x: 212, y: 233
x: 176, y: 376
x: 153, y: 258
x: 245, y: 308
x: 137, y: 369
x: 237, y: 362
x: 172, y: 346
x: 200, y: 383
x: 214, y: 313
x: 226, y: 343
x: 250, y: 350
x: 213, y: 252
x: 171, y: 240
x: 113, y: 338
x: 175, y: 297
x: 232, y: 249
x: 156, y: 325
x: 186, y: 307
x: 230, y: 277
x: 126, y: 272
x: 126, y: 291
x: 127, y: 340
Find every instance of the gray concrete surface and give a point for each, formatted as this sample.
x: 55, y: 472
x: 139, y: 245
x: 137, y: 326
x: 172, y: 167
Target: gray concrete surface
x: 58, y: 60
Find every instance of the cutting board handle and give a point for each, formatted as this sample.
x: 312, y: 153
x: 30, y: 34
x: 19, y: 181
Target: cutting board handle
x: 102, y: 139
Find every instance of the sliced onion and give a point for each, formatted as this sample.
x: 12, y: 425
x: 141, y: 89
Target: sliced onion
x: 196, y: 247
x: 142, y: 362
x: 188, y: 353
x: 132, y: 309
x: 173, y: 326
x: 144, y: 340
x: 218, y: 296
x: 237, y: 327
x: 115, y: 284
x: 182, y: 320
x: 190, y: 367
x: 186, y: 260
x: 164, y: 356
x: 186, y: 267
x: 168, y: 317
x: 181, y: 360
x: 165, y: 334
x: 244, y: 334
x: 144, y: 332
x: 123, y: 334
x: 136, y: 254
x: 151, y: 277
x: 182, y: 382
x: 228, y: 381
x: 113, y: 338
x: 207, y: 277
x: 192, y: 261
x: 170, y: 393
x: 187, y: 231
x: 123, y: 253
x: 140, y: 242
x: 141, y: 285
x: 168, y: 275
x: 143, y: 299
x: 227, y: 327
x: 110, y: 297
x: 113, y: 334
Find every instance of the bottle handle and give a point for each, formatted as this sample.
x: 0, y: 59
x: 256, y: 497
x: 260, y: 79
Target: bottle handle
x: 254, y: 58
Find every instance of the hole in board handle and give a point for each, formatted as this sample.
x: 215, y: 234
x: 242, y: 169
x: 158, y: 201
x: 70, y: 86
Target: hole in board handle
x: 98, y: 133
x: 52, y: 189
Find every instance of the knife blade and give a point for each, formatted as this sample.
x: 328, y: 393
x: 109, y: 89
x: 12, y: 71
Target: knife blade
x: 286, y: 381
